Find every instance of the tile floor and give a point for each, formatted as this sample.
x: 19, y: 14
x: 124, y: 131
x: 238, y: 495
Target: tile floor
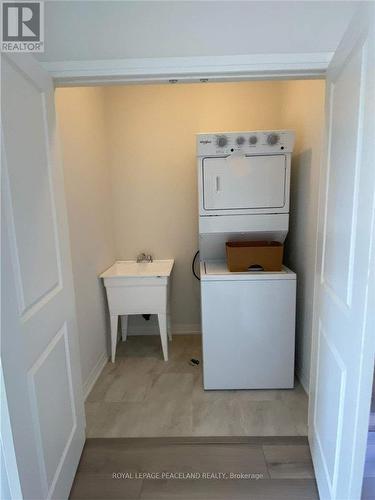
x: 143, y: 396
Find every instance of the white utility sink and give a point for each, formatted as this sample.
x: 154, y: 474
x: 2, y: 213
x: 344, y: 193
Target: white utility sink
x: 139, y: 288
x: 133, y: 269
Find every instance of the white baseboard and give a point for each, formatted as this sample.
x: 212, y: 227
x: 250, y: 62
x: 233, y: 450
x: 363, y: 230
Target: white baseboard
x: 153, y: 329
x: 185, y: 329
x: 94, y: 374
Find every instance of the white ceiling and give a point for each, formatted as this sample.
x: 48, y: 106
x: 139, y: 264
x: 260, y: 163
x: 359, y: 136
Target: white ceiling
x: 91, y: 30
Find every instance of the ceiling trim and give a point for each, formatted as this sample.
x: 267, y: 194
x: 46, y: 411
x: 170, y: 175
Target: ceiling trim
x: 189, y: 69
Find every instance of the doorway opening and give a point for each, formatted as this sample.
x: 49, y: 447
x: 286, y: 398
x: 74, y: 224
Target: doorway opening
x: 131, y: 186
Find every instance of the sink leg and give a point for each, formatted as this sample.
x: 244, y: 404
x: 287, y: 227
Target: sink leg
x: 169, y: 326
x: 124, y: 327
x: 163, y: 334
x: 169, y: 322
x: 114, y: 326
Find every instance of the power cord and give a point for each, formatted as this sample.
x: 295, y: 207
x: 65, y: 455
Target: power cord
x: 193, y: 266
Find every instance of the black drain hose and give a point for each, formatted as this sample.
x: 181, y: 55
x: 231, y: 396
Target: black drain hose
x: 193, y: 265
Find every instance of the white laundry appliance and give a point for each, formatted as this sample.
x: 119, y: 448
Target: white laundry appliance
x: 248, y: 319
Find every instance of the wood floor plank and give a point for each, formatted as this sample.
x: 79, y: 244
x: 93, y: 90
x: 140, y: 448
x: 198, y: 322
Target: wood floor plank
x: 292, y: 461
x: 266, y: 489
x: 287, y: 462
x: 104, y: 487
x: 174, y: 458
x: 368, y: 488
x: 151, y: 441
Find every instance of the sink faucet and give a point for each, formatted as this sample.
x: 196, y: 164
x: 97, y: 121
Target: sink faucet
x: 142, y: 257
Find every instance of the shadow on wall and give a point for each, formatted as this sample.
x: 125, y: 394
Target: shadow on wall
x: 298, y: 252
x: 107, y: 318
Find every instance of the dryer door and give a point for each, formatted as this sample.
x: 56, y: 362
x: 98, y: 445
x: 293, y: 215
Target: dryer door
x: 244, y: 183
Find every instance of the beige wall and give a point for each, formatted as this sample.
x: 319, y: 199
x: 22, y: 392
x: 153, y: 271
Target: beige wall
x: 152, y: 143
x: 141, y: 140
x: 80, y: 113
x: 303, y: 111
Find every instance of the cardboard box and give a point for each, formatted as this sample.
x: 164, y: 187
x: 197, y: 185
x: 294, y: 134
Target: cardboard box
x: 254, y: 256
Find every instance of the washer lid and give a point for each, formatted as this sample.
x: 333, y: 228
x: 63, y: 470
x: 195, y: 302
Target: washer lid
x: 216, y: 270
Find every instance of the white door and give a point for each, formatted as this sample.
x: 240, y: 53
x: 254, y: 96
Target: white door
x: 252, y: 182
x: 344, y: 333
x: 39, y: 346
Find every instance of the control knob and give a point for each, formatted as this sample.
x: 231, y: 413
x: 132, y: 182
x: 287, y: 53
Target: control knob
x: 240, y: 140
x: 222, y: 141
x: 253, y: 140
x: 272, y: 139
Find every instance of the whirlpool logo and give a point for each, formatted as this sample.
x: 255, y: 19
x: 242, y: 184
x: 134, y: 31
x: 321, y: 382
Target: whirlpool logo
x: 22, y: 27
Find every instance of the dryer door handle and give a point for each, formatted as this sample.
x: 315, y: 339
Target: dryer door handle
x: 218, y: 184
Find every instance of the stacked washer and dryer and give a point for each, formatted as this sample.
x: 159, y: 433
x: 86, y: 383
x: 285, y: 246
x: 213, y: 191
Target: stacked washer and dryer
x: 248, y: 318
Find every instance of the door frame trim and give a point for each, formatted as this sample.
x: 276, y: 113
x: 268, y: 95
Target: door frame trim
x: 189, y: 69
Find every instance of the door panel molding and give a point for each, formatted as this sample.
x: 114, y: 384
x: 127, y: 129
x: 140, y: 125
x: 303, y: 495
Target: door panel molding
x: 332, y: 476
x: 30, y: 301
x: 61, y: 336
x: 347, y: 266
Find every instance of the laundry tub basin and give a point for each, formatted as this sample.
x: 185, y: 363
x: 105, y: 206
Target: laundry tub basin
x: 138, y: 288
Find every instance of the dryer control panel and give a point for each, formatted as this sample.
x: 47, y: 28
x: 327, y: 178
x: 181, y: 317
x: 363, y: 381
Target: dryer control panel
x: 249, y: 143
